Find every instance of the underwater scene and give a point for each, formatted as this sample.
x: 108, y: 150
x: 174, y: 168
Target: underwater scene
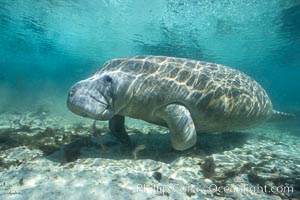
x: 136, y: 99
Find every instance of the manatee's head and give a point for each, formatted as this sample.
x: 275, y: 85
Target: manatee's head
x: 92, y: 97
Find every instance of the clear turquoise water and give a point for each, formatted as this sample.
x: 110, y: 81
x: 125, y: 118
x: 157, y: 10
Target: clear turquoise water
x: 48, y: 45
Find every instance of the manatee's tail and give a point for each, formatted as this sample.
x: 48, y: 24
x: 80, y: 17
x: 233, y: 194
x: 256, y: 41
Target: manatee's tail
x: 281, y: 116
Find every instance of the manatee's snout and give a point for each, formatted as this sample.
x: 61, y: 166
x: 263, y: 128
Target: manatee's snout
x: 87, y: 100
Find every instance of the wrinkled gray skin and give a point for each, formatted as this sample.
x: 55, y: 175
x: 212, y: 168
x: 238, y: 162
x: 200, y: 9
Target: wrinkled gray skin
x: 184, y: 95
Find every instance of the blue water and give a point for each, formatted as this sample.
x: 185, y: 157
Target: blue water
x: 46, y: 46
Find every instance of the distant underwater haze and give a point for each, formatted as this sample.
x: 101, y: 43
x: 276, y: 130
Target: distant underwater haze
x: 193, y: 130
x: 46, y: 46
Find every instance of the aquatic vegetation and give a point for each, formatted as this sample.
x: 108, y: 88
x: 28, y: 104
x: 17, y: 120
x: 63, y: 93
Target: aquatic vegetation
x: 46, y: 152
x: 208, y: 167
x: 137, y: 149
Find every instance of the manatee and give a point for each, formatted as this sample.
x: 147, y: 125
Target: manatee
x: 187, y: 96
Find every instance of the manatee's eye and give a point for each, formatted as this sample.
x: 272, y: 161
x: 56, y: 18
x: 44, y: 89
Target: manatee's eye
x: 107, y: 78
x: 72, y: 92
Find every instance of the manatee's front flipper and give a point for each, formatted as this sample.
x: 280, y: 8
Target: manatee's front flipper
x: 117, y: 128
x: 181, y: 125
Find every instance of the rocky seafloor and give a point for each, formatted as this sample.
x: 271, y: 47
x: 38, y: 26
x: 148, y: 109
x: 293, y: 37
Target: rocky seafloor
x: 44, y: 156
